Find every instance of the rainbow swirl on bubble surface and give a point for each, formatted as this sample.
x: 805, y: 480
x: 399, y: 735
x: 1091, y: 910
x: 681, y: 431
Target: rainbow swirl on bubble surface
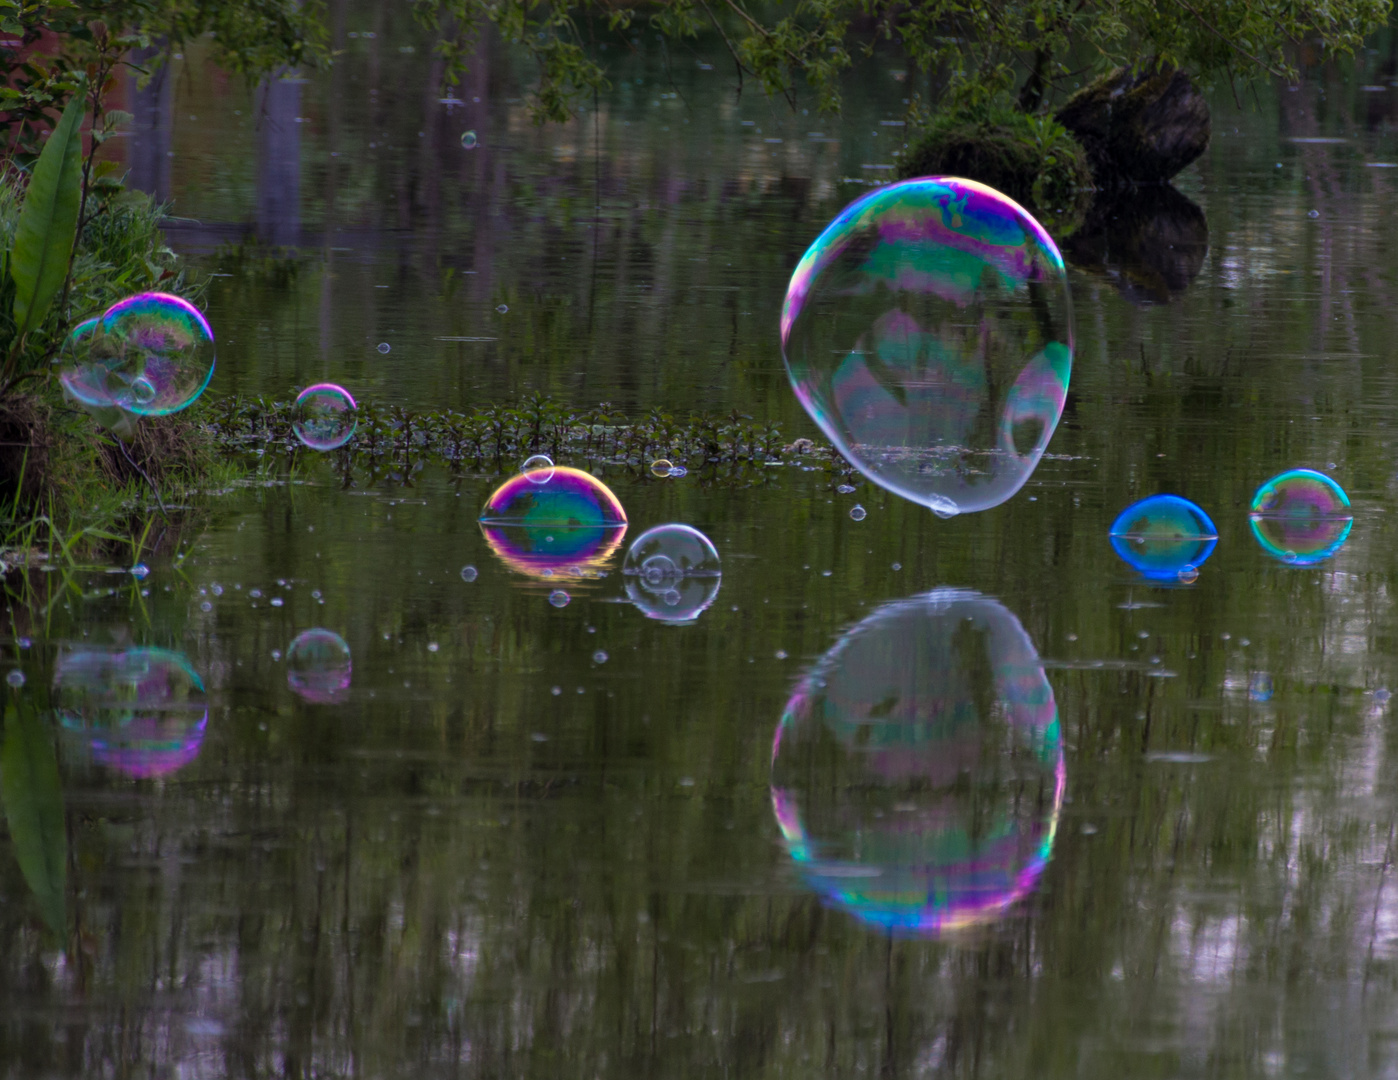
x: 324, y: 416
x: 918, y: 769
x: 1163, y: 537
x: 1301, y: 517
x: 928, y: 332
x: 555, y: 523
x: 141, y: 711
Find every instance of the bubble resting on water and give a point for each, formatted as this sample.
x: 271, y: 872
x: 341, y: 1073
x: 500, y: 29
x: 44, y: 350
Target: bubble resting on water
x: 324, y: 416
x: 1301, y: 517
x: 319, y: 667
x: 672, y: 572
x: 661, y: 468
x: 385, y: 348
x: 558, y: 598
x: 858, y: 513
x: 569, y: 526
x: 928, y: 332
x: 15, y: 678
x: 538, y: 469
x: 1165, y: 538
x: 468, y: 140
x: 468, y: 573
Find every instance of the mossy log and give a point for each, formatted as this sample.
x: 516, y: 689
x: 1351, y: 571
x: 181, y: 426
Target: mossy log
x: 1138, y: 126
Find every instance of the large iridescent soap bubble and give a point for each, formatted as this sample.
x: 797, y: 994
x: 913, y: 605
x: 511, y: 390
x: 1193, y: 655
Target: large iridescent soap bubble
x: 672, y: 573
x: 141, y: 711
x: 324, y: 416
x: 1164, y: 538
x: 929, y: 332
x: 151, y: 354
x: 318, y: 667
x: 1301, y: 517
x: 554, y: 523
x: 918, y: 769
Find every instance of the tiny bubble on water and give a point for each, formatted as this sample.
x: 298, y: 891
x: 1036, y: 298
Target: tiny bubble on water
x: 432, y: 646
x: 1072, y: 637
x: 858, y: 513
x: 1313, y: 214
x: 780, y: 654
x: 661, y: 468
x: 557, y: 690
x: 15, y: 678
x: 206, y: 606
x: 25, y: 642
x: 845, y: 489
x: 385, y: 347
x: 276, y: 654
x: 558, y: 598
x: 468, y: 140
x: 256, y: 594
x: 276, y: 601
x: 315, y: 594
x: 468, y: 573
x: 216, y: 589
x: 897, y: 566
x: 599, y: 657
x: 503, y: 308
x: 676, y: 471
x: 140, y: 570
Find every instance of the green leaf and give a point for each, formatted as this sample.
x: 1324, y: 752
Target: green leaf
x: 33, y: 803
x: 48, y: 221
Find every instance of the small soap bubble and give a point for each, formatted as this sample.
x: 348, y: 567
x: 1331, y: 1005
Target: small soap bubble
x: 538, y: 469
x: 140, y: 571
x: 385, y: 347
x: 206, y: 606
x: 324, y: 416
x: 318, y: 667
x: 928, y: 332
x: 556, y: 691
x: 661, y: 468
x: 1188, y: 575
x: 1313, y: 214
x: 503, y: 308
x: 256, y: 594
x: 468, y: 140
x: 151, y: 354
x: 432, y: 646
x: 315, y: 594
x: 15, y: 678
x: 276, y: 601
x: 276, y: 654
x: 25, y: 642
x: 858, y: 513
x: 780, y: 654
x: 897, y: 566
x: 845, y: 489
x: 676, y: 471
x: 599, y: 657
x: 216, y: 589
x: 1301, y: 517
x: 468, y: 573
x: 559, y: 598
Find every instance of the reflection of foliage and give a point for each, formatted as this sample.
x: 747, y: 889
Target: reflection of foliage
x: 972, y: 52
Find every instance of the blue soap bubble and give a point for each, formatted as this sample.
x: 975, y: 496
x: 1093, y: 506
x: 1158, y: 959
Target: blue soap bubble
x: 918, y: 770
x: 928, y: 331
x: 1164, y: 538
x: 1301, y: 517
x: 672, y: 573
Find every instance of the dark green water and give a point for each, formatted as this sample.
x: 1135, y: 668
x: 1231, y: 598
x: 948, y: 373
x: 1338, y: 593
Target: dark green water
x: 500, y: 857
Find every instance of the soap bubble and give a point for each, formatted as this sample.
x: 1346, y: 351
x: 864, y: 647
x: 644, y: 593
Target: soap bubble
x: 324, y: 416
x: 599, y: 657
x: 318, y: 667
x: 468, y: 140
x: 858, y: 513
x: 661, y: 468
x: 928, y: 331
x: 468, y: 573
x: 538, y: 469
x: 140, y: 711
x: 1260, y: 687
x: 567, y: 527
x: 1164, y: 537
x: 15, y: 678
x: 385, y: 348
x: 918, y: 769
x: 676, y: 471
x: 140, y: 571
x: 559, y: 599
x: 1301, y: 517
x: 151, y: 354
x: 672, y: 573
x: 503, y: 308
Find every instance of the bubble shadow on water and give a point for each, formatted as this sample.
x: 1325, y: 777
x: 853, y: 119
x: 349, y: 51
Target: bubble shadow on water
x: 918, y: 769
x: 140, y: 711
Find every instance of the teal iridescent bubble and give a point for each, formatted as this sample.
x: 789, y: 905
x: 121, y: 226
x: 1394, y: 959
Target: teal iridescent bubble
x: 1301, y: 517
x: 918, y: 770
x: 1164, y: 537
x: 929, y: 332
x: 151, y: 354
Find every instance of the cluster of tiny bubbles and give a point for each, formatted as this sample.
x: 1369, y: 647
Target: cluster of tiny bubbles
x: 928, y: 332
x: 557, y: 522
x: 672, y: 573
x: 151, y: 354
x: 559, y: 598
x: 141, y: 711
x: 918, y: 770
x: 318, y: 667
x: 468, y: 140
x: 324, y: 416
x: 468, y: 573
x: 1164, y: 538
x: 385, y: 348
x: 858, y: 513
x: 538, y: 469
x: 1301, y: 517
x: 15, y: 678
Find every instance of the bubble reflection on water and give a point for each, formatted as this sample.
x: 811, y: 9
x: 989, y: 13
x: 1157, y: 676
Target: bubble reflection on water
x: 918, y: 768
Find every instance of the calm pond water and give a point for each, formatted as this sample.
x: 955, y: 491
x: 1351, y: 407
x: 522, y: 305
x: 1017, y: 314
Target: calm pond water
x: 1142, y: 830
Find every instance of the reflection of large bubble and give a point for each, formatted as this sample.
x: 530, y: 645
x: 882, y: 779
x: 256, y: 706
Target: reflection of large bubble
x: 917, y: 773
x: 140, y: 711
x: 318, y: 666
x: 928, y: 331
x: 672, y: 573
x: 1165, y: 537
x: 150, y: 354
x: 1301, y: 517
x: 554, y: 523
